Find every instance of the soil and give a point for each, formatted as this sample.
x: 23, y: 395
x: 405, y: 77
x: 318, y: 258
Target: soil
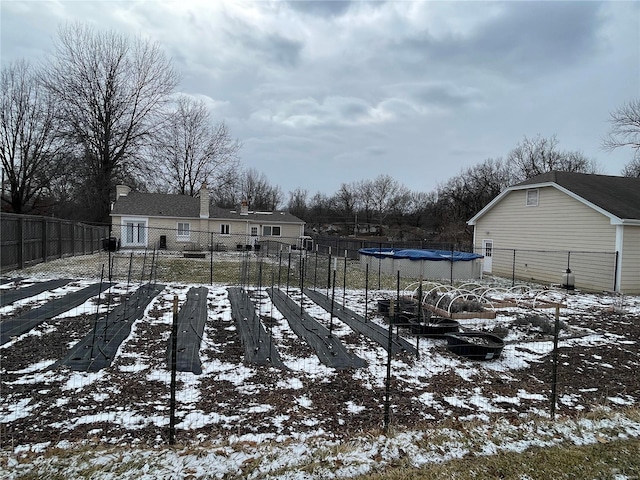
x: 129, y: 402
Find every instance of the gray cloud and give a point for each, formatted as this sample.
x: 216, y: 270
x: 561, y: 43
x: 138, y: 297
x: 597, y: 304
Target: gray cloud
x: 266, y: 47
x: 523, y: 39
x: 324, y: 8
x: 322, y: 93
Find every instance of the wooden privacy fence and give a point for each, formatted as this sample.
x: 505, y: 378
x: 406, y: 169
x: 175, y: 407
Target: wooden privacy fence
x: 26, y: 240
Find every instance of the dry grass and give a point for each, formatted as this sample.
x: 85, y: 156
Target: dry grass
x: 618, y: 459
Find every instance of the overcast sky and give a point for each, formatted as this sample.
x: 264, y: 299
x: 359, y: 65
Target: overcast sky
x: 331, y: 92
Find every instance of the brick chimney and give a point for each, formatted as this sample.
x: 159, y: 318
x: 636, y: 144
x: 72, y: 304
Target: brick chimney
x: 122, y: 191
x: 244, y: 208
x: 204, y: 201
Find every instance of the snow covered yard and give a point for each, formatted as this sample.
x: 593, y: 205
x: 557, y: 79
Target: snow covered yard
x: 246, y: 420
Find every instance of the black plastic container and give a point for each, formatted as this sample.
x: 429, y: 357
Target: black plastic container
x: 435, y: 328
x: 475, y: 345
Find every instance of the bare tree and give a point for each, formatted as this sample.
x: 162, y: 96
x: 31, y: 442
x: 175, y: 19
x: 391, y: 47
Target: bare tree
x: 389, y: 196
x: 111, y: 91
x: 365, y: 190
x: 256, y: 189
x: 347, y: 200
x: 321, y: 209
x: 625, y: 132
x: 539, y: 155
x: 632, y: 169
x: 298, y: 202
x: 464, y: 195
x: 29, y: 149
x: 193, y: 150
x: 419, y: 209
x: 625, y: 127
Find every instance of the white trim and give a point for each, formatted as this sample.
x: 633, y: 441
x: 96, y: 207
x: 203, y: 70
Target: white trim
x: 533, y: 200
x: 619, y: 252
x: 271, y: 229
x: 136, y: 221
x: 183, y: 238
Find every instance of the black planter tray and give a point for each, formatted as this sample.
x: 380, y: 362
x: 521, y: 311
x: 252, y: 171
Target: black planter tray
x: 435, y: 328
x: 384, y: 306
x: 475, y: 345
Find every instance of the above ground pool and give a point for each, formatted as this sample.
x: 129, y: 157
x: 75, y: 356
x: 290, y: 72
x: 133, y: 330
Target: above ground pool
x: 428, y: 264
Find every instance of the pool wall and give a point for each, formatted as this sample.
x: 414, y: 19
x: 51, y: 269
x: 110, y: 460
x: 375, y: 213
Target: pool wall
x: 428, y: 264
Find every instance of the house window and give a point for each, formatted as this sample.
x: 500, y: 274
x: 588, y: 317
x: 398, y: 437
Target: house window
x: 134, y: 232
x: 269, y: 230
x: 532, y: 197
x: 184, y: 231
x: 225, y: 228
x: 254, y: 231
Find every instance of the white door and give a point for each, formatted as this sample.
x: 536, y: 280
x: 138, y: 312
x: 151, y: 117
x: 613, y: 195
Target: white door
x: 134, y: 232
x: 487, y: 251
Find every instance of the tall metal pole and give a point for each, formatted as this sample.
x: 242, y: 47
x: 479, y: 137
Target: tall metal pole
x: 333, y: 298
x: 288, y: 271
x: 211, y: 261
x: 301, y: 284
x: 329, y: 272
x: 315, y: 271
x: 344, y: 280
x: 366, y: 290
x: 554, y: 373
x: 174, y: 348
x: 95, y: 322
x: 393, y: 313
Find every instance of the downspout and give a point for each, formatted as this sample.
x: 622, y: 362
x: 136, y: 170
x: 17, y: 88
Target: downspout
x: 619, y: 250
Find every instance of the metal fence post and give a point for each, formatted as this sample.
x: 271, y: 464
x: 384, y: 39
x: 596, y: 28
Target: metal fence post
x: 344, y: 280
x: 211, y: 264
x: 366, y: 290
x: 172, y: 399
x: 393, y: 315
x: 554, y: 373
x: 615, y: 272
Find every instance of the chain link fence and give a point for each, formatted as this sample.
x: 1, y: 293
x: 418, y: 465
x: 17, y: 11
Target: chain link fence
x: 535, y: 375
x: 593, y: 271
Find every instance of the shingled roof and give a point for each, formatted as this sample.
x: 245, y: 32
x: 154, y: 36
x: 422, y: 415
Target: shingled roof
x: 157, y: 205
x: 184, y: 206
x: 620, y: 196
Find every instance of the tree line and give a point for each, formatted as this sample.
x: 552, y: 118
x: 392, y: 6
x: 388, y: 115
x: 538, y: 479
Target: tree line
x: 385, y: 207
x: 102, y: 109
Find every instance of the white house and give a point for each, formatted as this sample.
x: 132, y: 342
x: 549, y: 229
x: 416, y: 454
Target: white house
x: 535, y: 229
x: 178, y: 222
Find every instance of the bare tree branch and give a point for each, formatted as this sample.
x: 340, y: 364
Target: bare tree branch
x: 111, y: 91
x: 193, y: 151
x: 29, y: 148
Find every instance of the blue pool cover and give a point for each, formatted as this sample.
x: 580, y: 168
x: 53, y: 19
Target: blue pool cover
x: 415, y: 254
